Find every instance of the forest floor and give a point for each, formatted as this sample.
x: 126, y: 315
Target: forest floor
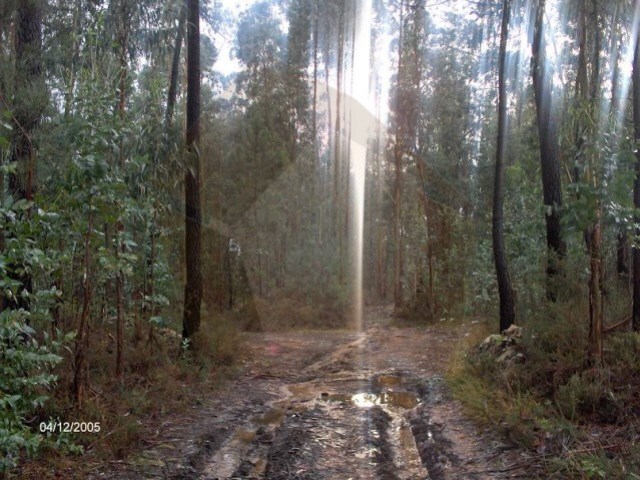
x: 329, y: 405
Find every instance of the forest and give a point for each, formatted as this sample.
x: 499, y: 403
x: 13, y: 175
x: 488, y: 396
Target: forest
x: 320, y: 239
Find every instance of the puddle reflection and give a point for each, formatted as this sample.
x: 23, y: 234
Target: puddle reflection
x: 405, y: 400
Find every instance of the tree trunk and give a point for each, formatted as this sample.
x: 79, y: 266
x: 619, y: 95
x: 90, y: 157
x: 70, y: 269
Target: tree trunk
x: 68, y: 100
x: 29, y: 94
x: 596, y: 320
x: 338, y: 193
x: 119, y: 247
x: 82, y: 339
x: 622, y: 256
x: 193, y: 214
x: 586, y: 95
x: 636, y: 183
x: 175, y: 66
x: 314, y: 114
x: 398, y: 299
x: 149, y: 307
x: 549, y: 152
x: 123, y: 39
x: 29, y: 103
x: 507, y: 295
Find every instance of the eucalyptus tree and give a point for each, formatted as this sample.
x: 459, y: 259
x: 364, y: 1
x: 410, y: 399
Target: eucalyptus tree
x: 27, y: 105
x: 175, y: 65
x: 507, y: 295
x: 547, y: 121
x: 588, y: 161
x: 404, y: 116
x: 193, y: 213
x: 636, y: 184
x: 442, y: 166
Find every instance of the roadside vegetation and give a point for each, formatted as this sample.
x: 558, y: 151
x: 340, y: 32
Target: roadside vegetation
x: 535, y: 387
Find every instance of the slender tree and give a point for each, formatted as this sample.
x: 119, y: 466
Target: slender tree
x: 507, y: 295
x: 175, y: 65
x: 193, y: 214
x: 549, y: 149
x: 587, y: 87
x: 398, y: 152
x: 636, y: 183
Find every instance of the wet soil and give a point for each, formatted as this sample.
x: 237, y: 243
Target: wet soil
x: 330, y: 405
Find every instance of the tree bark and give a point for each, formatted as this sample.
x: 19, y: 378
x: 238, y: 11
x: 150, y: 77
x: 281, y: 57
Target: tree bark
x: 398, y: 299
x: 596, y: 317
x: 587, y: 92
x: 549, y: 152
x: 338, y: 193
x: 68, y: 100
x: 123, y: 39
x: 30, y: 101
x: 82, y: 338
x: 175, y: 66
x: 119, y: 247
x: 505, y: 290
x: 193, y: 213
x: 314, y: 114
x: 636, y: 183
x: 622, y: 255
x: 29, y: 82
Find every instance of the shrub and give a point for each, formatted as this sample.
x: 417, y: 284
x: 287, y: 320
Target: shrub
x: 24, y: 377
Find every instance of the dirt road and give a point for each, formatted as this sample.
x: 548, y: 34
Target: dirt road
x: 331, y: 405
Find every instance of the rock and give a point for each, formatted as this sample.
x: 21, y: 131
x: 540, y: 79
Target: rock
x: 506, y: 348
x: 513, y: 331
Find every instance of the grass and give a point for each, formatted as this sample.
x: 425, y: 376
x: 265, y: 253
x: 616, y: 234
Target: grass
x: 580, y: 421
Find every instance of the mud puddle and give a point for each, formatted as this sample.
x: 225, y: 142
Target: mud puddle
x: 355, y: 426
x: 406, y: 400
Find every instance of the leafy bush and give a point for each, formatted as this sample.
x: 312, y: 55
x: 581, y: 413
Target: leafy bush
x: 25, y: 363
x: 25, y: 374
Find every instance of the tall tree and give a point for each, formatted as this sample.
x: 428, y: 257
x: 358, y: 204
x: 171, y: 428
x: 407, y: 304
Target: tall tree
x: 507, y: 295
x: 636, y: 183
x: 193, y: 214
x: 542, y: 73
x: 29, y: 102
x: 338, y: 187
x: 587, y: 87
x: 175, y: 66
x: 398, y: 153
x: 29, y: 94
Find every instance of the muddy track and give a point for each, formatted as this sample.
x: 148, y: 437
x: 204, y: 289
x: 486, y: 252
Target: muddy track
x: 332, y: 405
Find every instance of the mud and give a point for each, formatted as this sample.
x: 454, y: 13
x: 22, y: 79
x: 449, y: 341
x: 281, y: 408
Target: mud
x: 331, y: 405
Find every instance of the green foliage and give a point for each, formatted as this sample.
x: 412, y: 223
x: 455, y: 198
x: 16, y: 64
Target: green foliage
x: 27, y: 357
x: 25, y: 376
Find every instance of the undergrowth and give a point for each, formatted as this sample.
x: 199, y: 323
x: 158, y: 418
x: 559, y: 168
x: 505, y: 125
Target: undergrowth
x: 579, y: 421
x: 161, y: 378
x: 299, y: 310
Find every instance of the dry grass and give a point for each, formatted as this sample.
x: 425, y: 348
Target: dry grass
x: 580, y: 420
